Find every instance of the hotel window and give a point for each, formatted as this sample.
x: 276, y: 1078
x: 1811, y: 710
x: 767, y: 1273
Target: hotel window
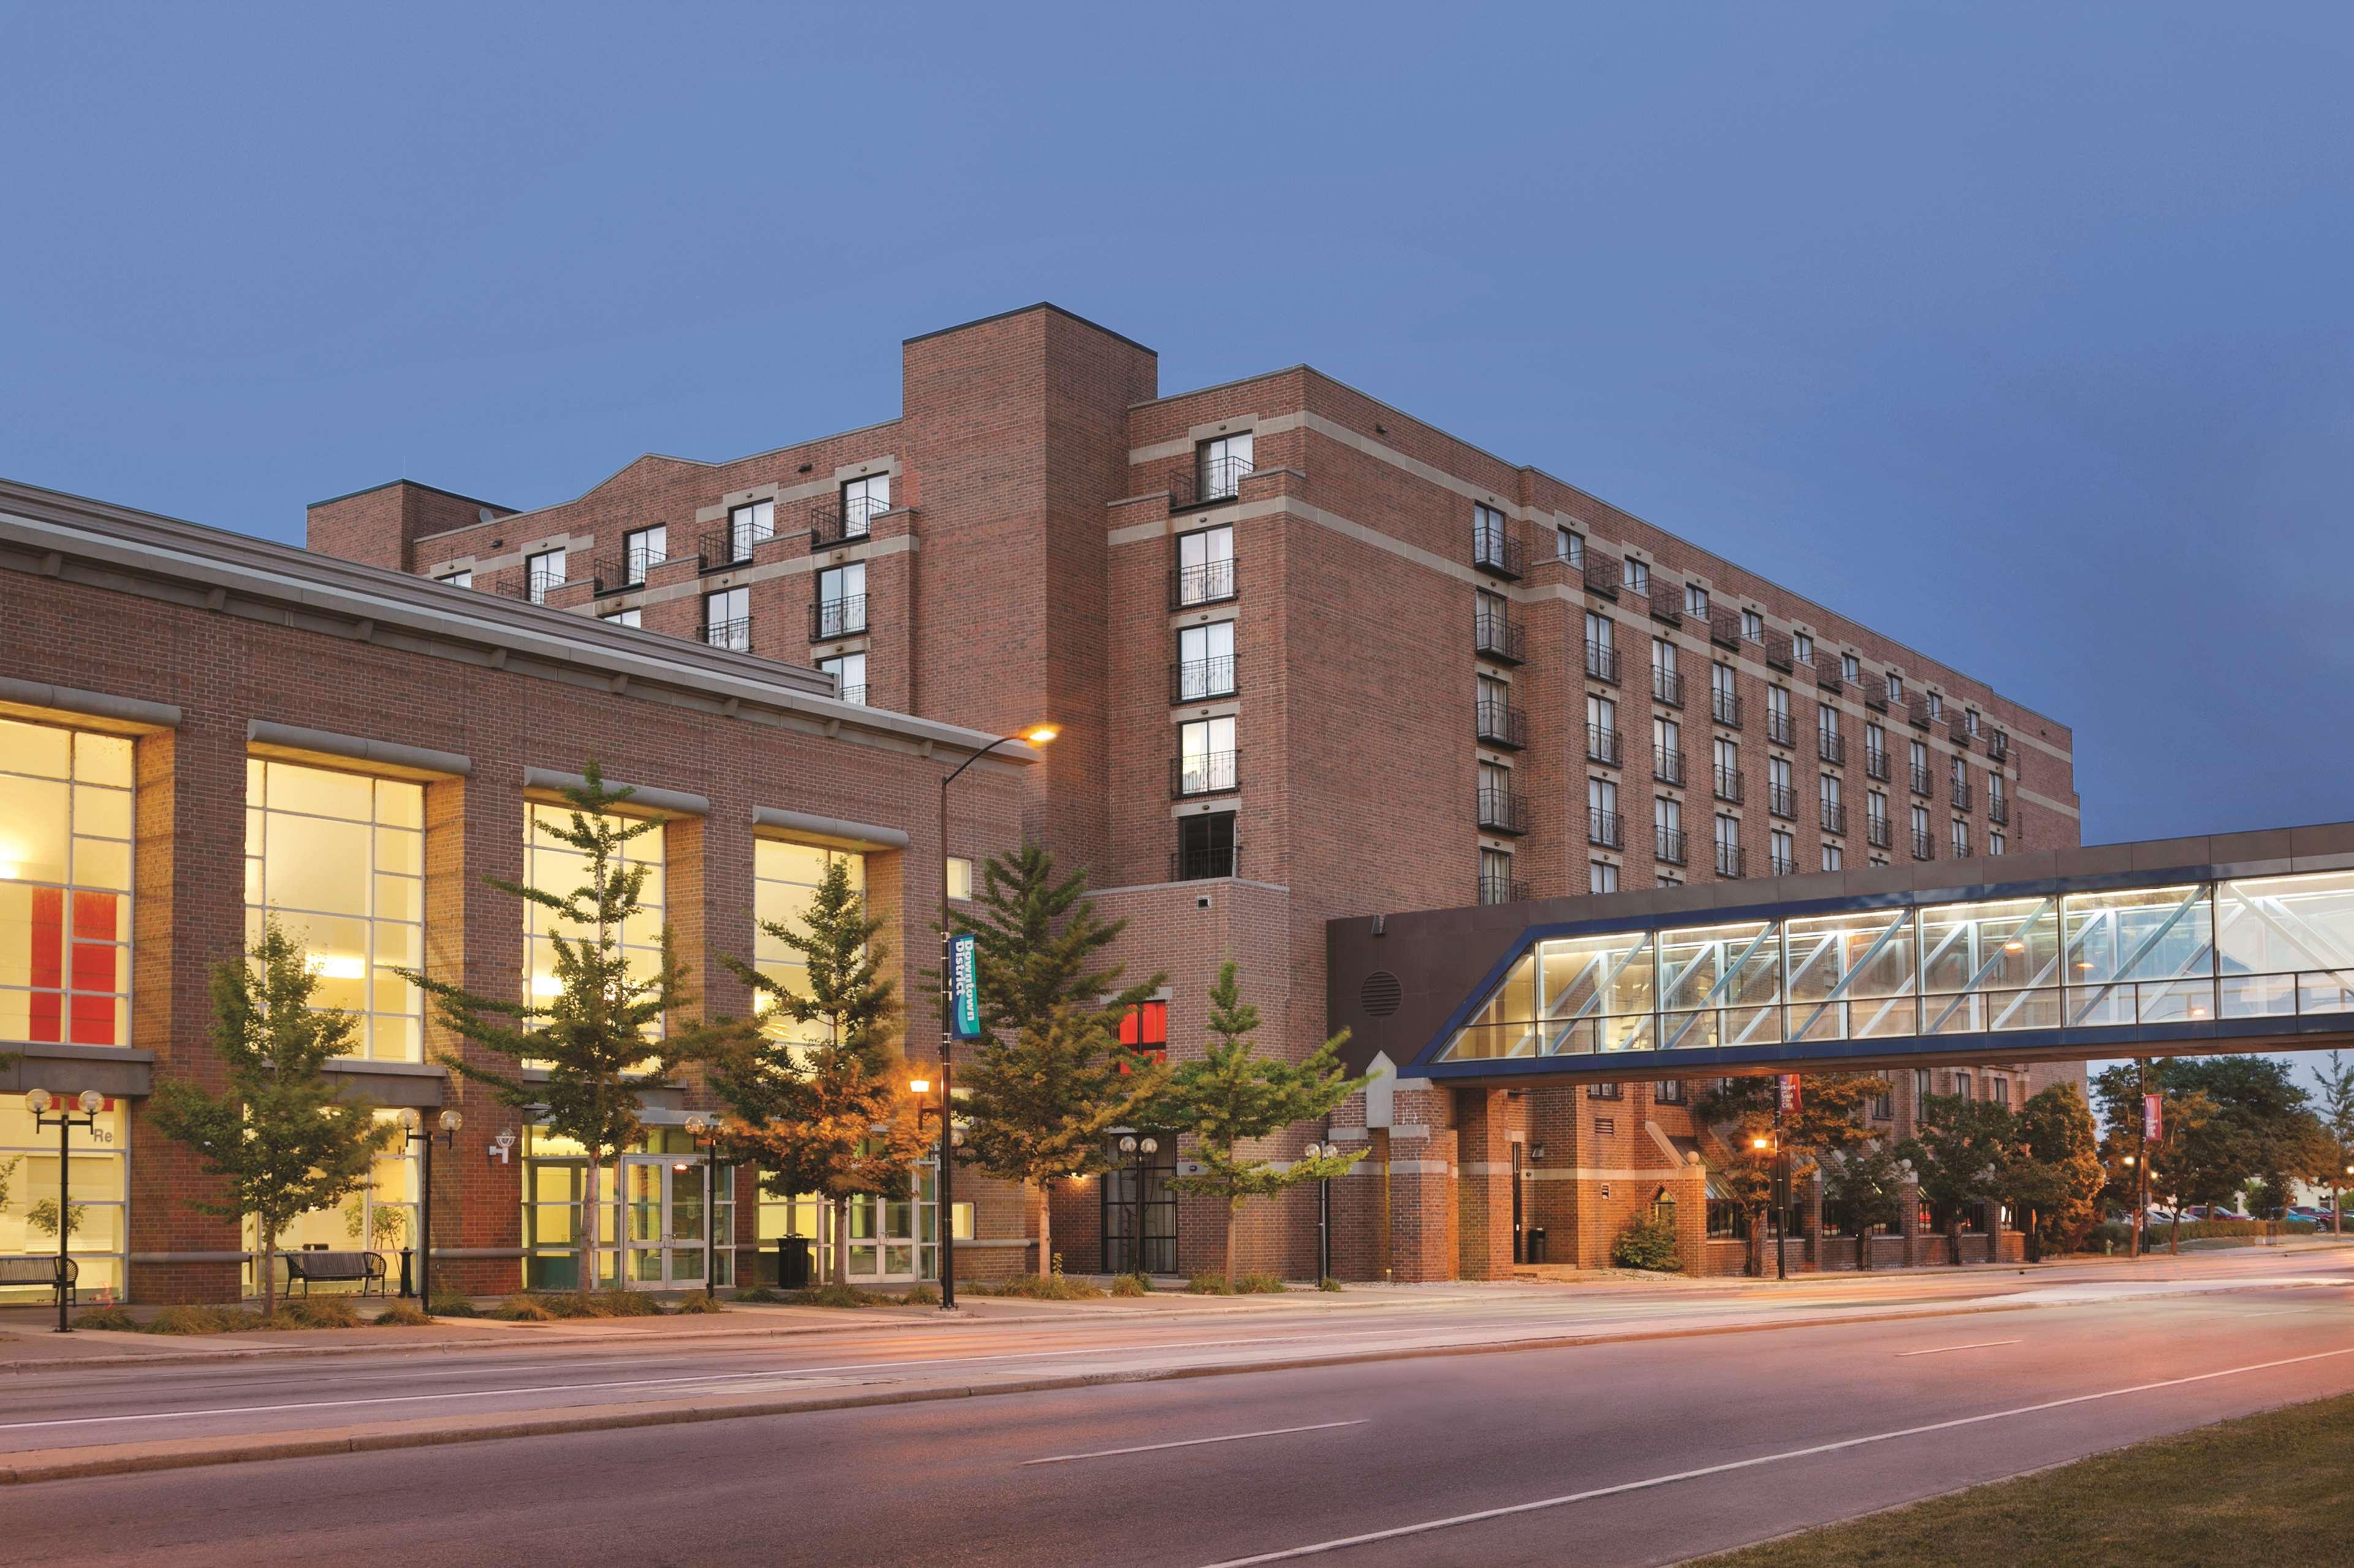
x: 1728, y: 841
x: 748, y: 525
x: 457, y: 579
x: 1962, y: 1086
x: 1875, y: 814
x: 1668, y: 826
x: 785, y: 879
x: 1205, y: 661
x: 1205, y: 566
x: 1637, y: 577
x: 543, y: 572
x: 1961, y: 839
x: 727, y: 619
x: 1205, y: 756
x: 1834, y: 808
x: 1224, y: 463
x: 1802, y: 648
x: 549, y: 863
x: 863, y: 500
x: 1602, y: 729
x: 1753, y: 625
x: 1668, y: 1092
x: 1663, y: 669
x: 1996, y: 843
x: 1832, y: 857
x: 1601, y: 656
x: 1895, y: 687
x: 1605, y: 1091
x: 1601, y: 876
x: 1920, y: 1088
x: 1921, y: 847
x: 1668, y: 750
x: 1205, y: 846
x: 1496, y: 876
x: 1695, y: 599
x: 1785, y: 853
x: 1917, y: 754
x: 622, y: 618
x: 1601, y: 811
x: 1937, y: 705
x: 1849, y: 668
x: 1570, y: 546
x: 1971, y: 720
x: 339, y: 860
x: 849, y: 670
x: 1883, y: 1103
x: 641, y: 548
x: 1778, y: 715
x: 65, y: 886
x: 840, y: 602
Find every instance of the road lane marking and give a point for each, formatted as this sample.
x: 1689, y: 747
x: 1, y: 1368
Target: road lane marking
x: 1194, y: 1442
x: 1343, y: 1543
x: 1942, y: 1350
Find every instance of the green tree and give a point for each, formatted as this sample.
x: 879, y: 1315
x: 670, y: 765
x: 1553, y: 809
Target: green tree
x: 1963, y: 1152
x: 601, y: 1037
x: 2260, y: 1127
x: 829, y: 1116
x: 1038, y: 945
x: 280, y: 1138
x: 2058, y: 1179
x: 1866, y: 1184
x: 1233, y: 1097
x: 2183, y: 1112
x: 1829, y: 1118
x: 2337, y: 1116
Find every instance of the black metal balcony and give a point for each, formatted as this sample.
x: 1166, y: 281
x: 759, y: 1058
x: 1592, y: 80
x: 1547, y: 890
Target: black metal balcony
x: 1728, y: 785
x: 735, y: 634
x: 1783, y: 865
x: 1202, y: 679
x: 730, y: 544
x: 1732, y: 862
x: 1998, y: 808
x: 1668, y: 844
x: 1205, y: 582
x: 1503, y: 890
x: 1210, y: 481
x: 1496, y: 635
x: 1667, y: 687
x: 1666, y: 767
x: 1875, y: 831
x: 1202, y: 863
x: 1724, y: 707
x: 1781, y: 801
x: 627, y: 567
x: 1497, y: 550
x: 1875, y: 693
x: 1916, y: 710
x: 1501, y: 724
x: 1832, y: 746
x: 1962, y: 794
x: 1921, y: 781
x: 1602, y: 663
x: 1779, y: 730
x: 1998, y: 744
x: 1924, y: 846
x: 1828, y: 679
x: 1603, y: 829
x: 855, y: 694
x: 1667, y: 601
x: 1777, y: 650
x: 1834, y: 819
x: 1503, y: 810
x: 835, y: 618
x: 1602, y: 745
x: 1724, y: 627
x: 1876, y: 762
x: 1204, y: 773
x: 1605, y: 574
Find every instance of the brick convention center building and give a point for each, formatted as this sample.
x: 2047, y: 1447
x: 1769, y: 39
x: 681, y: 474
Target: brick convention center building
x: 1311, y: 658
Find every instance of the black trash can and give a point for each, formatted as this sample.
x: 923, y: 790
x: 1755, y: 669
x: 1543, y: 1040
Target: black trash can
x: 1533, y: 1239
x: 793, y: 1263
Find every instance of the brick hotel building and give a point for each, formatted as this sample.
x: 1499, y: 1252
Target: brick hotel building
x: 1311, y: 658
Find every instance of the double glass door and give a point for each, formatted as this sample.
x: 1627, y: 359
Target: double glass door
x: 665, y: 1225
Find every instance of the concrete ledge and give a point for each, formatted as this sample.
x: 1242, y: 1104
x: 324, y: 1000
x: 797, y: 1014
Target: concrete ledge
x: 267, y: 737
x: 830, y: 831
x: 554, y: 782
x: 97, y: 704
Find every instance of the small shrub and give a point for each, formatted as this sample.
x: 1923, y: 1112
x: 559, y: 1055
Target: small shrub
x: 974, y: 1287
x: 623, y: 1304
x: 1050, y: 1287
x: 1209, y: 1285
x: 759, y: 1293
x: 453, y: 1307
x: 920, y: 1295
x: 1258, y: 1285
x: 1648, y: 1245
x: 186, y: 1319
x: 319, y: 1312
x: 1329, y: 1283
x: 1132, y: 1284
x: 522, y: 1309
x: 401, y: 1315
x: 110, y: 1319
x: 696, y: 1306
x: 835, y: 1295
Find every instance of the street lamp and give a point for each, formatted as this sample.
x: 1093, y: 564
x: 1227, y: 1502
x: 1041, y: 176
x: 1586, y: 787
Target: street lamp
x: 705, y: 1136
x: 1143, y: 1148
x: 1324, y: 1212
x: 1781, y: 1193
x: 91, y: 1102
x: 945, y: 1202
x: 444, y: 1132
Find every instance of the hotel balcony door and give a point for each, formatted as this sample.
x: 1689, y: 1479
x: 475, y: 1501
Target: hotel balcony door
x: 1139, y: 1211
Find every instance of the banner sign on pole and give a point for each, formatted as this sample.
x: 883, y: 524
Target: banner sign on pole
x: 1785, y: 1091
x: 964, y: 988
x: 2153, y: 1127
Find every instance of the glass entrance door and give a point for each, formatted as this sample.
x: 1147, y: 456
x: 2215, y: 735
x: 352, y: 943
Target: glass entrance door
x: 663, y: 1226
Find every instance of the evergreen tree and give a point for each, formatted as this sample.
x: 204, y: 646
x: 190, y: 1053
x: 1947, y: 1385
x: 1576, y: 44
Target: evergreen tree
x: 600, y: 1037
x: 831, y: 1116
x: 2337, y: 1116
x: 1867, y: 1185
x: 280, y: 1137
x: 2058, y: 1179
x: 1038, y: 945
x: 1963, y: 1152
x: 1232, y: 1097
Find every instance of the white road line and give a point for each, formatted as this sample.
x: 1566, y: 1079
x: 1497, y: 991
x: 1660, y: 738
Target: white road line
x: 1344, y: 1543
x: 1192, y: 1442
x: 1942, y: 1350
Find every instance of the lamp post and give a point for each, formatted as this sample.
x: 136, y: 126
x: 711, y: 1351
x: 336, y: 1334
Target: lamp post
x: 1324, y: 1212
x: 1036, y: 734
x: 444, y: 1132
x: 1142, y: 1148
x: 1781, y: 1193
x: 705, y: 1138
x: 91, y: 1102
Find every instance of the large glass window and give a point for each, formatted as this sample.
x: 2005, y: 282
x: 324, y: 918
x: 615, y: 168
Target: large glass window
x: 99, y: 1178
x: 863, y: 500
x: 380, y: 1217
x: 339, y: 858
x: 550, y: 863
x: 785, y: 879
x: 2287, y: 944
x: 65, y: 885
x: 840, y: 602
x: 1205, y: 566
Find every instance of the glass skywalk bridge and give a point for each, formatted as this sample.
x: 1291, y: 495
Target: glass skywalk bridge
x: 2104, y: 964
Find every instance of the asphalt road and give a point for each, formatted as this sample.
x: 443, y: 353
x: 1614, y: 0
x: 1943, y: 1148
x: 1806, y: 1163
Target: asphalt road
x: 1626, y: 1452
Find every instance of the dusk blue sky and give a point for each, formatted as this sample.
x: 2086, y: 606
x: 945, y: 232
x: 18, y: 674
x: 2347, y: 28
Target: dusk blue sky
x: 2022, y: 334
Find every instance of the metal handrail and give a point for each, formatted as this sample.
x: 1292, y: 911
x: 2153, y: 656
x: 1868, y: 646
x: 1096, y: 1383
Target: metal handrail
x: 1198, y: 680
x: 1603, y: 828
x: 1497, y: 635
x: 1503, y: 810
x: 1204, y: 773
x: 1728, y: 785
x: 1602, y: 745
x: 835, y: 618
x: 1205, y: 582
x: 1669, y: 844
x: 1501, y: 724
x: 1724, y: 707
x: 1832, y: 746
x: 734, y: 633
x: 1666, y: 767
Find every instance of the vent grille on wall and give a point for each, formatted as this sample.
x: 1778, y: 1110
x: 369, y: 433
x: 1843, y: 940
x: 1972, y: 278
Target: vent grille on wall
x: 1381, y: 994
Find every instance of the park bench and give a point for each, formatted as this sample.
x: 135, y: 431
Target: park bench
x: 336, y: 1268
x: 59, y: 1274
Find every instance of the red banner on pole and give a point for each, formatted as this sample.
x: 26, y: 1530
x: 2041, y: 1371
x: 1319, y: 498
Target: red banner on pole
x: 1786, y: 1092
x: 2153, y: 1123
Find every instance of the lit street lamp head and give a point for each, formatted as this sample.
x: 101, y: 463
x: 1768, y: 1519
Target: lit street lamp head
x: 1040, y: 734
x: 919, y: 1086
x: 37, y: 1101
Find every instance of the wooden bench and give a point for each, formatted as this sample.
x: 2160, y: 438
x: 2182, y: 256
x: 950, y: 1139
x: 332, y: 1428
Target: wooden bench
x: 61, y: 1274
x: 336, y: 1268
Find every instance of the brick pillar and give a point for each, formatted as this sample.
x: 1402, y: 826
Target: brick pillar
x: 1692, y: 1216
x: 1422, y: 1180
x: 1484, y: 1184
x: 1909, y: 1196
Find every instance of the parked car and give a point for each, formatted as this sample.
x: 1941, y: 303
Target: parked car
x: 2306, y: 1213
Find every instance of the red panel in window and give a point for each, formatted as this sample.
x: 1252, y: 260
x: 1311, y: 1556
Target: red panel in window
x: 93, y: 1020
x: 94, y: 917
x: 47, y: 962
x: 1146, y: 1027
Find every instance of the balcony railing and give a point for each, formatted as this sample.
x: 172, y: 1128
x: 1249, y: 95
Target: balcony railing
x: 1602, y: 745
x: 1602, y: 828
x: 1198, y: 680
x: 1495, y: 635
x: 1916, y: 710
x: 1205, y: 582
x: 729, y: 545
x: 1782, y: 801
x: 1832, y: 746
x: 1498, y: 550
x: 1783, y: 865
x: 1204, y: 773
x: 1920, y: 781
x: 1209, y: 482
x: 1924, y: 846
x: 1777, y: 650
x: 1834, y: 819
x: 1875, y: 693
x: 1725, y: 627
x: 1602, y: 663
x: 1202, y: 863
x: 1728, y: 785
x: 1998, y: 808
x: 1779, y: 730
x: 1503, y: 811
x: 1666, y: 767
x: 635, y: 560
x: 1732, y: 862
x: 855, y: 694
x: 1668, y: 844
x: 1667, y: 687
x: 1501, y: 724
x: 1503, y: 890
x: 1724, y: 707
x: 1876, y: 762
x: 1875, y: 830
x: 1962, y: 794
x: 832, y: 617
x: 1667, y: 601
x: 833, y: 520
x: 1828, y: 679
x: 736, y: 634
x: 1998, y: 744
